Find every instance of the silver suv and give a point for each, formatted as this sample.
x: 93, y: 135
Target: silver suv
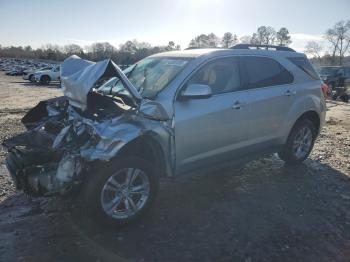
x: 114, y: 134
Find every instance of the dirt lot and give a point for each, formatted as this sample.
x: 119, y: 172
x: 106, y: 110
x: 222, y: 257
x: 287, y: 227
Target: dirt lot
x: 264, y: 211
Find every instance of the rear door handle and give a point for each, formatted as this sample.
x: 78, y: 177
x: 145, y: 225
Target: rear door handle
x: 237, y: 105
x: 289, y: 93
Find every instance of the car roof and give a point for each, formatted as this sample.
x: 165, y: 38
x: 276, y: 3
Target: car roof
x: 213, y: 52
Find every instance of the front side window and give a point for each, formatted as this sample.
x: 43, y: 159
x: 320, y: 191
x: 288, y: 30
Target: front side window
x: 264, y: 71
x: 222, y: 75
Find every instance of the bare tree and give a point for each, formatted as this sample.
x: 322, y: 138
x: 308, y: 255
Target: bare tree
x: 172, y: 46
x: 339, y: 38
x: 264, y: 35
x: 246, y: 39
x: 102, y: 50
x: 270, y: 35
x: 128, y: 47
x: 228, y: 40
x: 314, y: 49
x: 255, y: 39
x: 199, y: 41
x: 283, y: 37
x: 203, y: 40
x: 73, y: 49
x: 213, y: 40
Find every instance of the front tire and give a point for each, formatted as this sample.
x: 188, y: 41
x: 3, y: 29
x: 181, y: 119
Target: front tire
x: 121, y: 192
x: 32, y: 78
x: 299, y: 143
x: 345, y: 98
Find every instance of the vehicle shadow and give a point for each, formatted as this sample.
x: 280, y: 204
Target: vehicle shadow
x: 263, y: 211
x: 35, y: 84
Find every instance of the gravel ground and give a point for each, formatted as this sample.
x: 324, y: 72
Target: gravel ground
x: 264, y: 211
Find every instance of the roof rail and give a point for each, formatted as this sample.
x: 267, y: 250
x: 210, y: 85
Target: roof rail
x: 195, y: 47
x: 266, y: 47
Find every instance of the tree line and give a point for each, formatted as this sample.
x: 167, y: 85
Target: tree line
x: 133, y: 50
x: 337, y: 37
x: 127, y: 53
x: 265, y: 35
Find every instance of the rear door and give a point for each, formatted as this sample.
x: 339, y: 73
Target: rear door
x: 271, y: 95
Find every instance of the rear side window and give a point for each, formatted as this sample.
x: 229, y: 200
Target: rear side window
x: 304, y: 65
x: 264, y: 71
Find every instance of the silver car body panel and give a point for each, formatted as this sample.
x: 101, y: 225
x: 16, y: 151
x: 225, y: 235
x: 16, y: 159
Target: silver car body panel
x: 191, y: 132
x: 265, y: 119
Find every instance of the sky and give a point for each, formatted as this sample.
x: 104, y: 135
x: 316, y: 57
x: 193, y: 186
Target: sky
x: 38, y: 22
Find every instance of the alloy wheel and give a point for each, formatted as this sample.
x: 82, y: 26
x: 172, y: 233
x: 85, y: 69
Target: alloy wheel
x: 302, y: 142
x: 125, y: 193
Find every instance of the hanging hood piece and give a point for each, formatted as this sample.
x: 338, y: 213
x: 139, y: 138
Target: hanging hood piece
x: 78, y: 76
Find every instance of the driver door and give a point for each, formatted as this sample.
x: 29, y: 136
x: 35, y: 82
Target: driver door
x: 209, y: 130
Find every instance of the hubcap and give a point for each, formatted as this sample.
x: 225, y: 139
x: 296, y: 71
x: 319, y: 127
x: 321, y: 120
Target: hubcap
x: 302, y: 142
x: 125, y: 193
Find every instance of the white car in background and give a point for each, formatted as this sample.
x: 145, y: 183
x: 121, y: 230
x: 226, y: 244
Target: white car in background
x: 46, y: 76
x: 29, y: 74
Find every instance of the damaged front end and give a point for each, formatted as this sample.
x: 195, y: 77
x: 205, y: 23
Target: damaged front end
x: 36, y: 167
x: 66, y: 134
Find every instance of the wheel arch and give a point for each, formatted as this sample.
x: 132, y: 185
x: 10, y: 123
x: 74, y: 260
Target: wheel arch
x: 312, y: 116
x: 148, y: 148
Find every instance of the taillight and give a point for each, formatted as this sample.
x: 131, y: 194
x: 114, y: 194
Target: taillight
x: 324, y: 88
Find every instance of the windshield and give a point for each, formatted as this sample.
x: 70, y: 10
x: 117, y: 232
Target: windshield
x: 328, y: 70
x: 152, y: 74
x: 149, y: 76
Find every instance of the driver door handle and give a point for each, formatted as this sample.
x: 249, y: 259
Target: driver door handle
x: 289, y: 93
x: 237, y: 105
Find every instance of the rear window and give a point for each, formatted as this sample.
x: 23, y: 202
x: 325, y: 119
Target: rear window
x: 264, y: 71
x: 304, y: 65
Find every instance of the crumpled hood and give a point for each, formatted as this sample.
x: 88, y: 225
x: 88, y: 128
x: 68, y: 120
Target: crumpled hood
x: 78, y: 76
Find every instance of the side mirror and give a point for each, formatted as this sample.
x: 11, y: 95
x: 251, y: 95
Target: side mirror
x: 196, y: 91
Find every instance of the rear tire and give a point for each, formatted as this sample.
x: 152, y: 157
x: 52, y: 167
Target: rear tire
x: 345, y: 98
x: 108, y: 199
x: 45, y: 80
x: 299, y: 143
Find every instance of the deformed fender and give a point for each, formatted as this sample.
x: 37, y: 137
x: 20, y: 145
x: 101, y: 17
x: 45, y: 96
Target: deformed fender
x: 113, y: 134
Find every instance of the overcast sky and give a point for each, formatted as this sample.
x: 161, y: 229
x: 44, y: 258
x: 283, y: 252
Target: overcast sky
x: 36, y: 22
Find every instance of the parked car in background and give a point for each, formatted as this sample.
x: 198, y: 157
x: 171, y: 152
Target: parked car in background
x: 24, y: 67
x: 16, y: 71
x: 338, y: 80
x: 167, y: 115
x: 29, y: 74
x: 46, y: 76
